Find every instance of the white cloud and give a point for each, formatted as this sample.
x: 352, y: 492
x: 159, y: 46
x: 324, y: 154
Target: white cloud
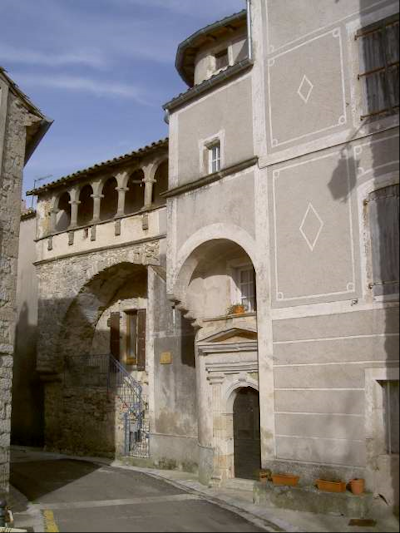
x: 209, y: 8
x: 32, y: 57
x: 83, y: 84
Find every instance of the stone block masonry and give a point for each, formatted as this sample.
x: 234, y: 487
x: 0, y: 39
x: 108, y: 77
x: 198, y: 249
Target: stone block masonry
x: 13, y: 152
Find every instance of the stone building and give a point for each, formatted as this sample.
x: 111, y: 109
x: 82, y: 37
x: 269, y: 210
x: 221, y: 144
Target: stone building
x: 22, y: 127
x: 266, y: 260
x: 116, y: 361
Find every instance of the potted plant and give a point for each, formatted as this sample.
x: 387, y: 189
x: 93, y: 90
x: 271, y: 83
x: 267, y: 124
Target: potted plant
x: 237, y: 309
x: 331, y: 486
x: 357, y: 486
x: 288, y: 480
x: 265, y: 475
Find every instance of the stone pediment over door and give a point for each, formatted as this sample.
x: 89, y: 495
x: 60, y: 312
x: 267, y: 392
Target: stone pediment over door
x: 229, y: 341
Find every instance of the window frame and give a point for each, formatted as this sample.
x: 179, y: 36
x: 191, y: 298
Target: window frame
x: 370, y: 29
x: 235, y: 268
x: 205, y: 147
x: 250, y: 269
x: 214, y: 157
x: 364, y: 191
x: 376, y: 431
x: 129, y: 360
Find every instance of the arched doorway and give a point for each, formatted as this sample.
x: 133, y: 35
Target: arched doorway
x: 246, y: 430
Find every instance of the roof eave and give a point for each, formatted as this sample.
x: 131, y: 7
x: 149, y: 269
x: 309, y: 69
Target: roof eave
x: 45, y: 125
x: 190, y: 42
x: 85, y: 173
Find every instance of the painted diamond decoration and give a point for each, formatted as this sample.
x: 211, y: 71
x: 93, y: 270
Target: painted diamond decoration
x: 305, y: 89
x: 311, y: 227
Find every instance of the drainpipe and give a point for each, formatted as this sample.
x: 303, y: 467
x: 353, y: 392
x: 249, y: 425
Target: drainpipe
x: 250, y: 29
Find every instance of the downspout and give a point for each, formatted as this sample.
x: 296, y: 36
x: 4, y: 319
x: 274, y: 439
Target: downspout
x: 250, y: 28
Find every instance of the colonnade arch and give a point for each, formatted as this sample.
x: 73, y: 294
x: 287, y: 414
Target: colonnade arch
x: 112, y: 196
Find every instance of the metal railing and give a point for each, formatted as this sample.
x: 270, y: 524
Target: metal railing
x: 106, y: 373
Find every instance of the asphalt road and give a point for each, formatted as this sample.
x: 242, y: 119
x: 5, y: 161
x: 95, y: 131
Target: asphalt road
x: 81, y: 496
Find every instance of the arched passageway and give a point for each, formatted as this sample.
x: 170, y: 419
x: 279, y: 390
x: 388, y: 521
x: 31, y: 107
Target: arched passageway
x: 246, y: 431
x: 218, y: 279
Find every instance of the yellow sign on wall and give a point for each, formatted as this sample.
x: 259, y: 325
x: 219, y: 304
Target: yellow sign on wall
x: 166, y: 358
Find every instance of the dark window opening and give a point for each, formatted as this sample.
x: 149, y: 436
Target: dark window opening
x: 63, y: 220
x: 135, y: 348
x: 379, y: 58
x: 134, y: 199
x: 222, y: 60
x: 161, y: 184
x: 391, y: 410
x: 86, y: 206
x: 109, y: 202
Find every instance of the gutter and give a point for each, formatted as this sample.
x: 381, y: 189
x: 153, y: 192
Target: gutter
x: 250, y: 29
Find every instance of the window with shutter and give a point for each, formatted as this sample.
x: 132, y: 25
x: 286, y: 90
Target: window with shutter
x: 379, y: 74
x: 141, y: 342
x: 135, y: 350
x: 383, y: 206
x: 391, y: 409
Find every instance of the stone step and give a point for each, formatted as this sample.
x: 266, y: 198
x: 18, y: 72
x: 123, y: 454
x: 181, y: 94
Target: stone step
x: 239, y: 484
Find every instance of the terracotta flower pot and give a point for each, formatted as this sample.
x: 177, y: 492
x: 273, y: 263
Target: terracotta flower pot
x: 288, y: 480
x: 331, y: 486
x: 239, y: 310
x: 264, y: 475
x: 357, y: 486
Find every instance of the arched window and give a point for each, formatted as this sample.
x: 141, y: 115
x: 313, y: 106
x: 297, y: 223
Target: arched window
x: 134, y: 199
x: 85, y: 211
x: 109, y: 202
x: 63, y: 220
x: 161, y: 184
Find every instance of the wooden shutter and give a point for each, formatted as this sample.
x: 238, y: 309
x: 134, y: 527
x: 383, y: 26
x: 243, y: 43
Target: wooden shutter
x: 384, y: 227
x: 141, y: 340
x: 115, y: 319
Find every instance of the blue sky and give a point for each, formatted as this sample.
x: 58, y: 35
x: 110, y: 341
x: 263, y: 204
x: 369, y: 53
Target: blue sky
x: 101, y: 69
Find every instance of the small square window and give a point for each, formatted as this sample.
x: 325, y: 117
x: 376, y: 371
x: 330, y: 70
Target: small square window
x: 222, y: 60
x: 214, y: 157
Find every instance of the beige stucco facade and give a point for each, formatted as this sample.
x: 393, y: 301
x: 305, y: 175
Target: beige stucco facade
x: 298, y: 214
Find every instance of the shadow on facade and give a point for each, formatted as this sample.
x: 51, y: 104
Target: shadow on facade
x: 27, y: 425
x: 379, y: 245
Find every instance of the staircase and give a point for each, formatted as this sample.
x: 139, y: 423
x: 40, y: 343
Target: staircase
x: 105, y: 373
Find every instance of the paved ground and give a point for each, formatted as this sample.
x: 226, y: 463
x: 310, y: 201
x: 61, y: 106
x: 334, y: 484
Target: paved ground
x: 98, y: 495
x: 80, y: 496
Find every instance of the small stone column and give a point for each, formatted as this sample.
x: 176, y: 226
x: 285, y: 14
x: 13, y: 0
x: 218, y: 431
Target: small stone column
x: 53, y: 220
x: 121, y: 201
x: 149, y: 182
x: 96, y: 207
x: 219, y: 429
x: 74, y: 213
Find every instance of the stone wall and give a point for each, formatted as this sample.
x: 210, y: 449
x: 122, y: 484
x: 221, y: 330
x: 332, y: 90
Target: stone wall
x: 13, y: 152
